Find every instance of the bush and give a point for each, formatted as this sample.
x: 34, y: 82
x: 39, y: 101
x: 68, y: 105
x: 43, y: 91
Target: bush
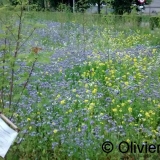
x: 154, y: 22
x: 7, y: 8
x: 139, y: 20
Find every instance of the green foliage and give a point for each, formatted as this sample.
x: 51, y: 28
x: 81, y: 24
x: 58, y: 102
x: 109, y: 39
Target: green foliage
x: 154, y: 22
x: 7, y: 7
x: 122, y: 6
x: 63, y: 8
x: 12, y: 41
x: 82, y: 5
x: 119, y: 6
x: 4, y: 2
x: 139, y: 20
x: 148, y: 1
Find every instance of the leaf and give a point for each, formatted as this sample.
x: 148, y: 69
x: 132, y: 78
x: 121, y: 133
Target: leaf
x: 21, y: 80
x: 44, y: 59
x: 2, y: 47
x: 17, y: 96
x: 6, y: 111
x: 21, y: 56
x: 44, y: 151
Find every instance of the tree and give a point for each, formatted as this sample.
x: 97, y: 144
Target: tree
x: 98, y: 2
x: 122, y: 6
x: 82, y: 5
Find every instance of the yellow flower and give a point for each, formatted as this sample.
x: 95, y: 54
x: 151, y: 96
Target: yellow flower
x: 127, y: 73
x: 30, y: 127
x: 135, y: 60
x: 101, y: 64
x: 92, y: 104
x: 153, y: 136
x: 154, y: 101
x: 113, y: 100
x: 110, y: 84
x: 112, y: 71
x: 126, y: 83
x: 55, y: 131
x: 70, y: 111
x: 154, y: 131
x: 147, y: 114
x: 62, y: 102
x: 86, y: 101
x: 129, y: 101
x: 77, y: 95
x: 143, y: 119
x: 58, y: 96
x: 123, y: 104
x: 28, y: 119
x: 94, y: 91
x: 150, y: 111
x: 114, y: 109
x: 124, y: 76
x: 84, y: 74
x: 130, y: 109
x: 153, y: 113
x: 79, y: 129
x: 73, y: 90
x: 110, y: 61
x: 87, y: 91
x: 15, y: 115
x: 131, y: 124
x: 154, y: 50
x: 86, y: 85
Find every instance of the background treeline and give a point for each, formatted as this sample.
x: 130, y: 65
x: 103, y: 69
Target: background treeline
x: 119, y: 6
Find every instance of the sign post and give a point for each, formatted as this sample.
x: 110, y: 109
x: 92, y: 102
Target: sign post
x: 8, y: 133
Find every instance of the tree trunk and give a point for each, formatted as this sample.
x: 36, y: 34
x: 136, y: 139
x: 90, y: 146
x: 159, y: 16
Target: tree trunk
x: 99, y: 6
x: 43, y: 4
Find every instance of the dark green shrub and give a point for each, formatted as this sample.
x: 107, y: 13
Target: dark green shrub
x: 154, y: 22
x: 139, y: 20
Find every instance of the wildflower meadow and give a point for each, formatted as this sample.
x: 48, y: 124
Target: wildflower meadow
x: 80, y: 80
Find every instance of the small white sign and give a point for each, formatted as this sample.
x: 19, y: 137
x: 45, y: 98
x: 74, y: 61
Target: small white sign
x: 141, y: 1
x: 7, y: 137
